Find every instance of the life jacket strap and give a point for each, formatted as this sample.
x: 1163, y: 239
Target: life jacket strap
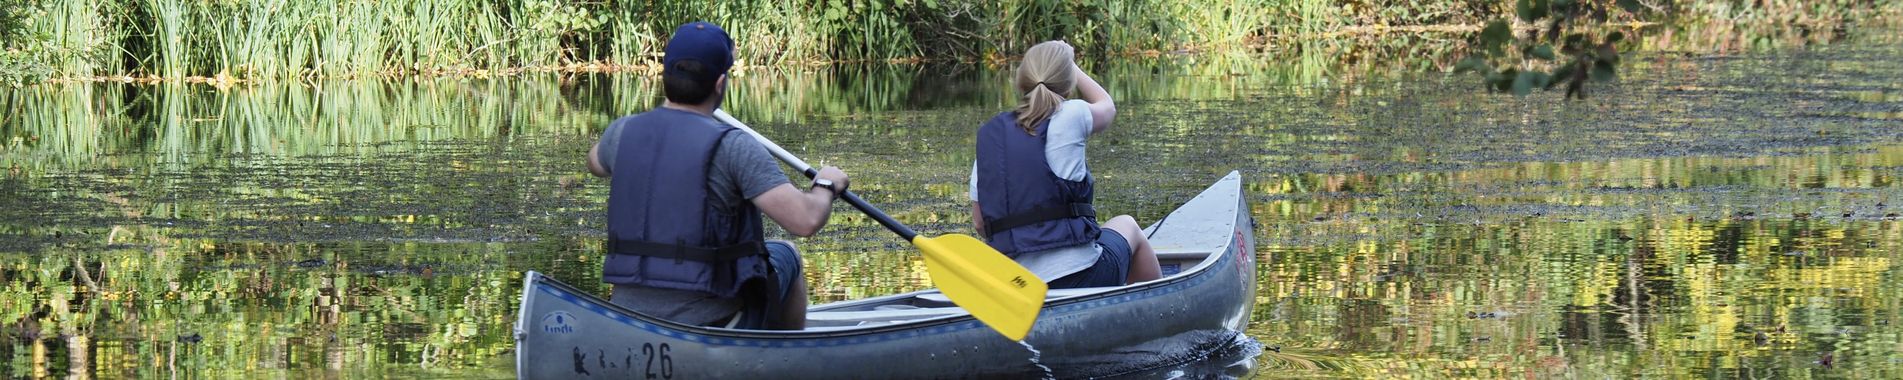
x: 682, y: 252
x: 995, y: 226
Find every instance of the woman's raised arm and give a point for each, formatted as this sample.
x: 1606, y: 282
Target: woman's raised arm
x: 1102, y: 108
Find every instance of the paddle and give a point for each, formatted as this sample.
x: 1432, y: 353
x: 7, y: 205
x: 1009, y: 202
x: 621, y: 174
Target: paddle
x: 995, y: 289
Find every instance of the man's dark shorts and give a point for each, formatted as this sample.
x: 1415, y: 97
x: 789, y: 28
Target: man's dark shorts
x: 1112, y: 268
x: 783, y: 271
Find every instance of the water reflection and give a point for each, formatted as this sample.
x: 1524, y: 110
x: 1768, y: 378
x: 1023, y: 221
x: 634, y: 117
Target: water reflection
x: 1591, y: 268
x: 1706, y: 217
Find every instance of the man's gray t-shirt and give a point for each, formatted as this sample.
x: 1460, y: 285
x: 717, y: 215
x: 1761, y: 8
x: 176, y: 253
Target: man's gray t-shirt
x: 741, y: 169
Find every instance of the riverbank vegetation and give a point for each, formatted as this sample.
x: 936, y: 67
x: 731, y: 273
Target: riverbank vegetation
x: 223, y: 41
x: 1556, y: 42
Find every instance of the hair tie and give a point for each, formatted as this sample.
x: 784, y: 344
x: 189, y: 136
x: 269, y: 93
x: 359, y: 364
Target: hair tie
x: 1046, y: 86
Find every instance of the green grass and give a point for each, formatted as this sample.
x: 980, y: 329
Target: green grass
x: 310, y: 39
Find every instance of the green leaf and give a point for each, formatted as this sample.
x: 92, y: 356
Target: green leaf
x: 1474, y: 63
x: 1523, y: 84
x: 1495, y: 36
x: 1503, y: 80
x: 1531, y: 10
x: 1573, y: 44
x: 1604, y: 73
x: 1631, y: 5
x: 1541, y: 51
x: 1498, y: 30
x: 1563, y: 5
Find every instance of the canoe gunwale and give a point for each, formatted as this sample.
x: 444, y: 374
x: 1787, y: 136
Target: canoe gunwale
x: 721, y: 332
x: 848, y: 331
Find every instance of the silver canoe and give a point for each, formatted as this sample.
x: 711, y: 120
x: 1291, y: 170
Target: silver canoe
x: 1203, y: 302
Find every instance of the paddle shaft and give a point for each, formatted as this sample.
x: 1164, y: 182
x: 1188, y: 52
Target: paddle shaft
x: 810, y: 172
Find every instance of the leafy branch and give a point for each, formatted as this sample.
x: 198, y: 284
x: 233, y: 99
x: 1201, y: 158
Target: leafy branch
x: 1519, y: 65
x: 19, y: 47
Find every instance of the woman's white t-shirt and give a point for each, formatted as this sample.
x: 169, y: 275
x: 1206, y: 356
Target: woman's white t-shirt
x: 1064, y: 151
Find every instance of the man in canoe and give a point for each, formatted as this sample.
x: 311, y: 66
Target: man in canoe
x: 685, y: 238
x: 1031, y: 190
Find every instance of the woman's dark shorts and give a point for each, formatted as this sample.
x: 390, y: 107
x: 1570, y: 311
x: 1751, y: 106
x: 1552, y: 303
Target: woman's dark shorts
x: 1112, y: 268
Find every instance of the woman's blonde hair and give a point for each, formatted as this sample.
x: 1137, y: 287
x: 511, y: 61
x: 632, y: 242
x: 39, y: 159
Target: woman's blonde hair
x: 1046, y: 77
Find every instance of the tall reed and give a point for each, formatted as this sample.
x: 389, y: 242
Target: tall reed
x: 279, y: 39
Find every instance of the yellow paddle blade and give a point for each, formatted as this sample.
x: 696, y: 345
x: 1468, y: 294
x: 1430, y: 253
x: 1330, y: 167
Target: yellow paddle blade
x: 995, y: 289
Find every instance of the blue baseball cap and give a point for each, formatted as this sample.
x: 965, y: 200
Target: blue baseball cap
x: 703, y: 42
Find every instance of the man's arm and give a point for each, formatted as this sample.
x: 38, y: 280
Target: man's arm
x: 594, y: 162
x: 612, y: 138
x: 801, y: 213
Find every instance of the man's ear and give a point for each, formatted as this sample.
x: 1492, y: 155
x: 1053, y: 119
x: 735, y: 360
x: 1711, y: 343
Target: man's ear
x: 721, y: 83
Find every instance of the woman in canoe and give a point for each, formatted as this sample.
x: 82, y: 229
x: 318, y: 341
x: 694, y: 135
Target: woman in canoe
x: 1031, y: 190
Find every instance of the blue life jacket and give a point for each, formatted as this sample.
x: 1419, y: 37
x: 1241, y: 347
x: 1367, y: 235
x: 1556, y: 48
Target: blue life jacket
x: 1026, y: 207
x: 663, y: 229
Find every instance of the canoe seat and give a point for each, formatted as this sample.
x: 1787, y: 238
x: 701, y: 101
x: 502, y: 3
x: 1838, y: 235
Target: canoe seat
x: 882, y: 315
x: 1167, y: 253
x: 1051, y: 294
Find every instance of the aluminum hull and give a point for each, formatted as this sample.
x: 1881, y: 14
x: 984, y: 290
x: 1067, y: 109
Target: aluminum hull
x: 1204, y: 300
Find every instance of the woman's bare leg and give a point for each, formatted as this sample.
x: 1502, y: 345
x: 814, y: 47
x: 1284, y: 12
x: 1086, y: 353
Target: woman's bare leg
x: 1143, y: 265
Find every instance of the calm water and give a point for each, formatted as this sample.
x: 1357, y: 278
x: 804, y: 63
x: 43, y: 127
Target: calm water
x: 1712, y: 214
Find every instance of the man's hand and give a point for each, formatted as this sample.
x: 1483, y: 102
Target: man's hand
x: 837, y: 176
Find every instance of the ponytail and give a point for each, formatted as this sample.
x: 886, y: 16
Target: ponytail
x: 1046, y: 78
x: 1037, y: 106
